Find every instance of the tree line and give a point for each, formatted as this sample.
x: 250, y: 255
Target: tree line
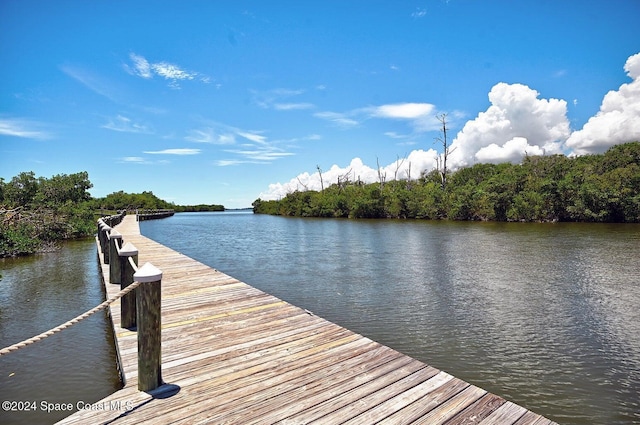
x: 590, y: 188
x: 37, y: 212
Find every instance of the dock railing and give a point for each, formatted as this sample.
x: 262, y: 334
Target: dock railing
x: 140, y: 308
x: 142, y: 215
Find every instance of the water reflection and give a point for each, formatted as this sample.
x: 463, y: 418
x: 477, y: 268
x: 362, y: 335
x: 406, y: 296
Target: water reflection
x: 79, y: 364
x: 542, y: 314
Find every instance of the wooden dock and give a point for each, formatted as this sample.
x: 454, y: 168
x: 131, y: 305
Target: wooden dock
x: 232, y: 354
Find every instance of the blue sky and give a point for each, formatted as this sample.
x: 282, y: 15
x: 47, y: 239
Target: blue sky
x: 227, y: 101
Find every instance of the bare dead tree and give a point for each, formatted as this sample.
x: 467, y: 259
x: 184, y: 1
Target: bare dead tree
x: 446, y: 150
x: 303, y: 185
x: 382, y: 177
x: 409, y: 176
x: 321, y: 182
x: 343, y: 179
x: 399, y: 163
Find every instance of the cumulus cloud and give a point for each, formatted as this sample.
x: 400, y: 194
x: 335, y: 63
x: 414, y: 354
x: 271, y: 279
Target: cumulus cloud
x: 618, y: 120
x: 517, y: 123
x: 403, y: 168
x: 510, y: 151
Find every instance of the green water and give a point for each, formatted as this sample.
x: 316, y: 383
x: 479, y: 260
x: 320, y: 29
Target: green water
x: 67, y: 369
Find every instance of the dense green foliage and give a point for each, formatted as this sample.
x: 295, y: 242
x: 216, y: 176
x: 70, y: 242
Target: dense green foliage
x: 35, y: 213
x: 198, y: 208
x: 595, y: 188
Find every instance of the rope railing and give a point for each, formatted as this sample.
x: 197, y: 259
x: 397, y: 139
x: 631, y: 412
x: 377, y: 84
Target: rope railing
x: 70, y: 323
x: 140, y: 310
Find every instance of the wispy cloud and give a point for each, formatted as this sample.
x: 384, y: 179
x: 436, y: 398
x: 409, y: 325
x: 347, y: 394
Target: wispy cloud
x: 23, y: 128
x: 419, y: 13
x: 243, y: 146
x: 253, y: 136
x: 293, y: 106
x: 276, y: 99
x: 141, y: 67
x: 138, y: 160
x: 179, y: 151
x: 134, y: 160
x: 421, y: 116
x: 264, y: 154
x: 126, y: 125
x: 91, y: 80
x: 395, y: 135
x: 212, y: 136
x: 342, y: 120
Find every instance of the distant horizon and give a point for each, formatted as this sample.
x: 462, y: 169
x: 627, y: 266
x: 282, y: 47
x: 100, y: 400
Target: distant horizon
x: 227, y: 102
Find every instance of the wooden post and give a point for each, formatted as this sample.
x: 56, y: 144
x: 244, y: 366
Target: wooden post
x: 101, y: 224
x: 149, y: 333
x: 115, y: 242
x: 128, y: 301
x: 106, y: 229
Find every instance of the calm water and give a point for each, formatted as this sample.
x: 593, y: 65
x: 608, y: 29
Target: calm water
x: 545, y: 315
x: 77, y: 365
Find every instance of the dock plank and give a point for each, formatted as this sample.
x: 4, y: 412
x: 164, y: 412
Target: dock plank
x: 234, y: 354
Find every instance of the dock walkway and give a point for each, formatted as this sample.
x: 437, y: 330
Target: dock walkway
x: 232, y: 354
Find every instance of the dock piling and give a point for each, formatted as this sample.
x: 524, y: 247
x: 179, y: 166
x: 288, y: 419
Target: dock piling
x: 115, y: 242
x: 128, y: 266
x: 148, y: 303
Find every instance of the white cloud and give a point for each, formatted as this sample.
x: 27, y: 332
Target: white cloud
x: 172, y: 72
x: 419, y: 13
x: 618, y: 120
x: 22, y: 128
x: 421, y: 116
x: 252, y: 146
x: 275, y: 99
x: 407, y: 111
x: 517, y: 114
x: 293, y: 106
x: 339, y: 119
x: 416, y: 162
x: 395, y: 135
x: 143, y: 68
x: 253, y: 136
x: 511, y: 151
x: 91, y: 80
x: 264, y: 154
x: 180, y: 151
x: 126, y: 125
x: 133, y: 159
x: 210, y: 135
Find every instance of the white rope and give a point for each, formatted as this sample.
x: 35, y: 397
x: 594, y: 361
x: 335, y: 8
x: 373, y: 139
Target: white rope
x: 70, y: 323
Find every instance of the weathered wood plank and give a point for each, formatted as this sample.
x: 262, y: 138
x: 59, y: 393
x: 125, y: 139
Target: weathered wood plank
x: 508, y: 413
x: 478, y: 410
